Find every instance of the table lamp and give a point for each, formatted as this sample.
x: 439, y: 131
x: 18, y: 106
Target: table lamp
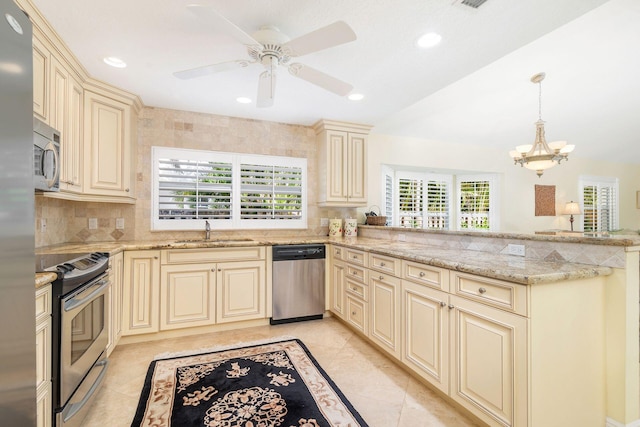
x: 572, y: 208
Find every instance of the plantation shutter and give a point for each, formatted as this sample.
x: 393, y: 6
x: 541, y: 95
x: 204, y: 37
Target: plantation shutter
x: 388, y: 197
x: 410, y: 202
x: 194, y: 189
x: 600, y: 205
x: 437, y: 211
x: 475, y: 204
x: 270, y: 192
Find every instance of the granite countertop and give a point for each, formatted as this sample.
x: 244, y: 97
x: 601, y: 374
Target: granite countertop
x: 505, y: 267
x: 43, y: 279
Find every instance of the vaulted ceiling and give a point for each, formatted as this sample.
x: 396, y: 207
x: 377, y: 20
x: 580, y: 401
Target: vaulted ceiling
x: 472, y: 88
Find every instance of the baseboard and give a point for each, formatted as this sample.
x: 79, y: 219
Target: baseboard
x: 614, y: 423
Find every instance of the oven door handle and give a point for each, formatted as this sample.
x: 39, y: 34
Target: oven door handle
x: 74, y: 408
x: 91, y: 293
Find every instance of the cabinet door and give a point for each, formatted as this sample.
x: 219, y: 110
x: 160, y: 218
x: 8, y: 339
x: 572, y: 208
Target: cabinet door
x: 337, y: 163
x: 114, y: 307
x: 357, y: 313
x: 107, y: 146
x: 489, y: 362
x: 43, y: 406
x: 357, y: 169
x: 187, y: 296
x: 58, y: 97
x: 425, y: 333
x: 385, y: 315
x: 71, y: 144
x: 337, y: 289
x: 141, y: 298
x: 241, y: 291
x: 41, y: 65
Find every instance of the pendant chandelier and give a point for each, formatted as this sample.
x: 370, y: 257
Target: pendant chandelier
x: 540, y: 155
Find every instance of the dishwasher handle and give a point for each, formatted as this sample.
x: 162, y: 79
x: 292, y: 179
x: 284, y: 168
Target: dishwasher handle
x: 294, y: 252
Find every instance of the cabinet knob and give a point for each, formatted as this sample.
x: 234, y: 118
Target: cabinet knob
x: 442, y: 303
x: 381, y: 277
x: 451, y: 307
x: 355, y: 273
x: 213, y: 270
x: 353, y: 288
x: 338, y: 252
x: 421, y: 274
x: 155, y: 257
x: 126, y: 189
x: 482, y: 290
x: 355, y: 257
x: 353, y: 313
x: 219, y: 269
x: 382, y: 264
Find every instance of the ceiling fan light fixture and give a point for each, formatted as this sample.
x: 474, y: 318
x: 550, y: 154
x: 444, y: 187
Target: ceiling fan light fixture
x: 429, y: 40
x: 356, y: 97
x: 115, y: 62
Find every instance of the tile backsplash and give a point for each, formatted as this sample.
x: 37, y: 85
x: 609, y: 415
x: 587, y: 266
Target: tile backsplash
x: 68, y: 221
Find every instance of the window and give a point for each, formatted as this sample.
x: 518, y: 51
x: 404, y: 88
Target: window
x: 423, y: 200
x: 416, y: 199
x: 477, y: 202
x: 227, y: 189
x: 599, y: 201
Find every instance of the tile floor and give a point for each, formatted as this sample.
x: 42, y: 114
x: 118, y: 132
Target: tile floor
x: 383, y: 393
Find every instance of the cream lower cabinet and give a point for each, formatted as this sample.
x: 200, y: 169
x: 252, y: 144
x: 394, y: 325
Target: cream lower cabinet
x: 337, y: 282
x: 43, y: 356
x: 187, y: 295
x: 141, y: 292
x: 240, y: 291
x: 384, y: 312
x: 114, y: 318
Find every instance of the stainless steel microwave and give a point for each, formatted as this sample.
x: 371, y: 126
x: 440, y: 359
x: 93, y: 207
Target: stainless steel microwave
x: 46, y: 157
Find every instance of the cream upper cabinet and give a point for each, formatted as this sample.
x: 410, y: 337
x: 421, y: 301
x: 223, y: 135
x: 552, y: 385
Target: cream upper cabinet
x: 43, y: 356
x: 108, y: 146
x: 71, y: 149
x: 342, y: 166
x: 41, y: 66
x: 141, y: 292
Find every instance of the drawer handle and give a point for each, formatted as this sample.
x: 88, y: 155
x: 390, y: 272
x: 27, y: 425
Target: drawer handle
x: 382, y: 264
x: 451, y: 306
x: 422, y: 274
x: 482, y: 290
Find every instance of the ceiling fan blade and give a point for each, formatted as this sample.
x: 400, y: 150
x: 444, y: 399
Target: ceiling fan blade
x: 266, y: 89
x: 320, y: 79
x: 332, y: 35
x: 223, y: 24
x: 210, y: 69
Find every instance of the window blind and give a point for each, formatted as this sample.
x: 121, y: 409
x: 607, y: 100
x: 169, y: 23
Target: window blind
x: 388, y: 198
x: 475, y: 198
x: 410, y: 202
x: 270, y: 192
x: 193, y: 189
x: 437, y: 211
x: 600, y: 212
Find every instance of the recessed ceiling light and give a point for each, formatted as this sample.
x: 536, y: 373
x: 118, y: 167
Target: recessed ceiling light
x: 243, y: 100
x: 356, y: 97
x: 429, y: 40
x: 114, y: 62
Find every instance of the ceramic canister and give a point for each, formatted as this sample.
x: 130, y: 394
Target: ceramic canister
x: 335, y: 227
x: 350, y: 227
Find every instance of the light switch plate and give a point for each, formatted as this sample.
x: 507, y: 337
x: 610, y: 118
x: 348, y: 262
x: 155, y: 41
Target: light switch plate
x: 324, y: 222
x: 119, y: 223
x: 517, y: 250
x: 93, y: 223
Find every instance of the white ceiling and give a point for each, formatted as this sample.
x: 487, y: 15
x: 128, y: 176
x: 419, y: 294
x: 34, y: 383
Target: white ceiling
x: 473, y: 88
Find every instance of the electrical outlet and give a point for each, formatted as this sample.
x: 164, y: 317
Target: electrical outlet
x: 119, y: 223
x: 43, y: 225
x: 93, y: 223
x: 324, y: 222
x: 517, y: 250
x: 402, y: 238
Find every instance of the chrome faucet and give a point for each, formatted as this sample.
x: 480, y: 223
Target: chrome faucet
x: 207, y: 230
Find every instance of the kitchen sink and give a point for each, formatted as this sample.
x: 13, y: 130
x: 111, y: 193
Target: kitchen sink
x: 230, y: 240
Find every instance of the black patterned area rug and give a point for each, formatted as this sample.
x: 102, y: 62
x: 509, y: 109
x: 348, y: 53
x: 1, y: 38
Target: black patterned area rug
x: 264, y: 385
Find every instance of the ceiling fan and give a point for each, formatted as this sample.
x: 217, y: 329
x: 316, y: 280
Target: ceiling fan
x: 271, y: 48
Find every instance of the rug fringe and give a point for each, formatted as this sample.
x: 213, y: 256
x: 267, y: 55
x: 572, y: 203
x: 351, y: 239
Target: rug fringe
x: 169, y: 354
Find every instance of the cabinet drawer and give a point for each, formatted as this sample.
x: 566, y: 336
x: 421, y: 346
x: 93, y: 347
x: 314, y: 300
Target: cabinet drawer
x: 355, y: 256
x: 356, y: 273
x: 505, y: 295
x: 184, y: 256
x: 434, y: 277
x: 337, y: 252
x: 43, y: 303
x: 357, y: 314
x: 357, y: 289
x: 385, y: 264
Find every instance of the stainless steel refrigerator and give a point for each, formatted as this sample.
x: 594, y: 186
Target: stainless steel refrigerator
x: 17, y: 260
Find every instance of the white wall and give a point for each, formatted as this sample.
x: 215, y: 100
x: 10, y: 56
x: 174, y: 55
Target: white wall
x: 517, y: 213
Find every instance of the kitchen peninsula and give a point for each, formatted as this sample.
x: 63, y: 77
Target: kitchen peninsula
x: 439, y: 302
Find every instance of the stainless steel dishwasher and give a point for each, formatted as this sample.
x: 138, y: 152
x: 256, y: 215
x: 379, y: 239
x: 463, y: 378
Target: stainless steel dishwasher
x: 298, y: 283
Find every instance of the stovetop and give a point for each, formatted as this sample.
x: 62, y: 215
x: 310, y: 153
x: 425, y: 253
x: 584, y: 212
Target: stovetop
x: 73, y: 270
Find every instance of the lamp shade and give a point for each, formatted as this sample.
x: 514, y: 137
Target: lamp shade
x: 572, y: 208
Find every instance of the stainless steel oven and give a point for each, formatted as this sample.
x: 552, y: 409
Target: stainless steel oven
x: 79, y: 332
